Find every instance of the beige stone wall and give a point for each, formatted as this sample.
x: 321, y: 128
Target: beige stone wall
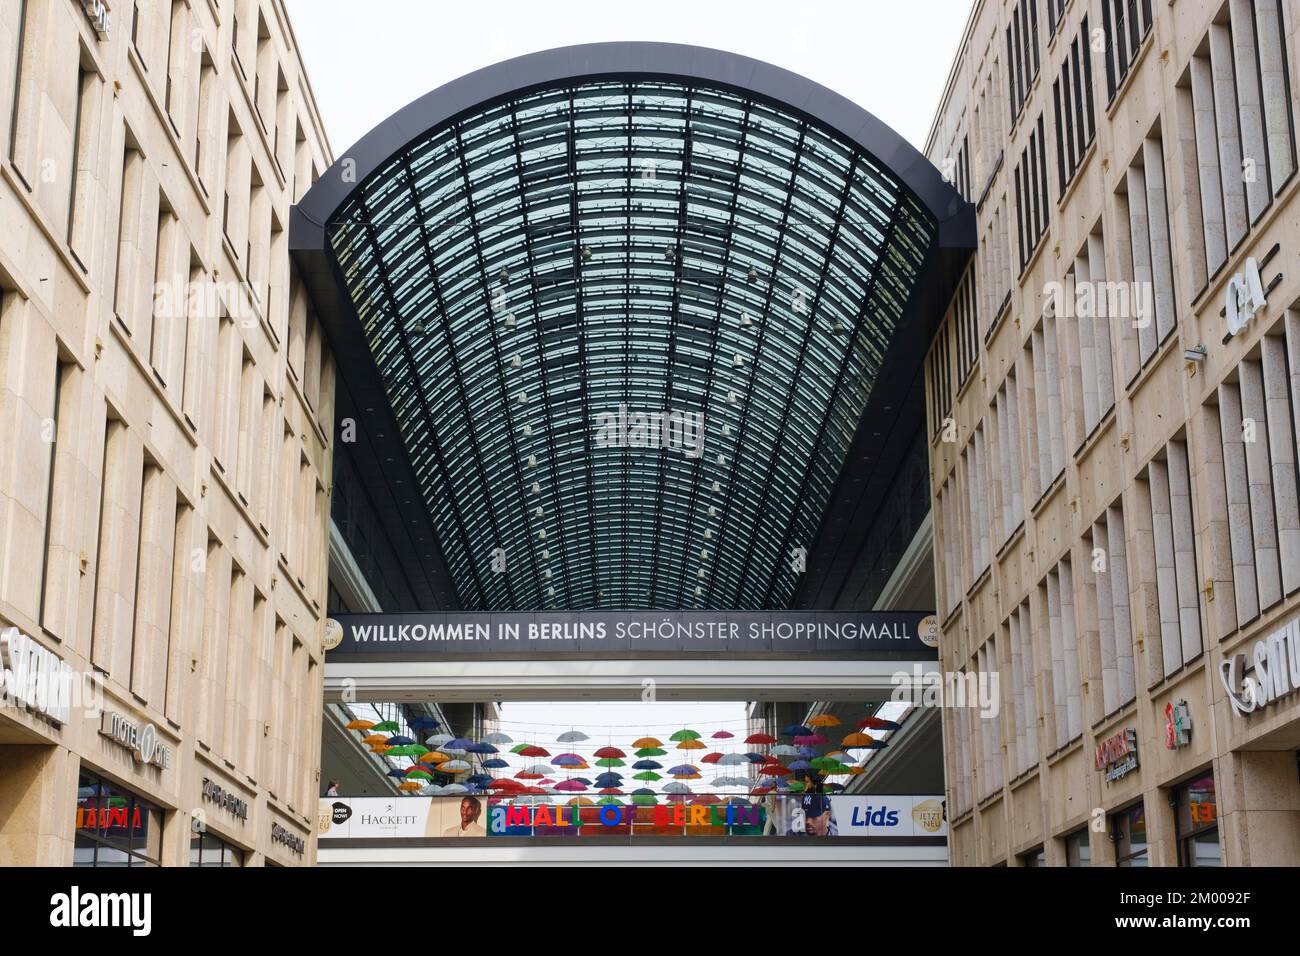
x: 1077, y: 474
x: 166, y: 412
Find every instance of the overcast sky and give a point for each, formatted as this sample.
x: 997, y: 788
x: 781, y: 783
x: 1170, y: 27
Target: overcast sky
x: 368, y: 58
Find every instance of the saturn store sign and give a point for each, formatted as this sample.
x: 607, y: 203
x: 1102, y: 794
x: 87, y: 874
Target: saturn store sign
x: 1275, y: 664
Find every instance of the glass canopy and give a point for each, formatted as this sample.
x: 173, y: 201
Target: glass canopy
x: 524, y: 272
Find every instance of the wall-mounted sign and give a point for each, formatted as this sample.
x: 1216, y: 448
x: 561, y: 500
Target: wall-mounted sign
x: 632, y: 634
x: 143, y: 742
x: 1178, y: 724
x: 333, y: 636
x: 1243, y: 297
x: 33, y: 677
x: 288, y: 838
x: 928, y: 631
x: 1270, y: 674
x: 100, y: 18
x: 1117, y: 755
x: 213, y: 792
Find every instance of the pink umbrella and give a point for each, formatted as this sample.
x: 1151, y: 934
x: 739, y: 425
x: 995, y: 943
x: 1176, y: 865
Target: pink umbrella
x: 723, y: 735
x: 809, y: 740
x: 571, y: 786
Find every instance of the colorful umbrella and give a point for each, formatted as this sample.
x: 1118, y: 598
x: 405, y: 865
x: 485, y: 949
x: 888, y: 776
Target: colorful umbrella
x: 388, y: 725
x: 809, y: 740
x: 359, y: 725
x: 692, y: 745
x: 496, y: 763
x: 723, y: 735
x: 399, y: 741
x: 437, y: 740
x: 610, y: 752
x: 610, y: 762
x: 647, y: 765
x: 644, y: 797
x: 760, y: 739
x: 685, y: 734
x: 712, y: 757
x: 498, y: 738
x: 454, y: 766
x: 422, y: 722
x: 647, y: 742
x: 824, y: 720
x: 646, y: 775
x: 876, y: 723
x: 571, y: 737
x: 410, y: 786
x: 795, y: 730
x: 570, y: 786
x: 374, y: 739
x: 651, y: 752
x: 481, y: 749
x: 676, y: 787
x: 857, y: 739
x: 533, y: 752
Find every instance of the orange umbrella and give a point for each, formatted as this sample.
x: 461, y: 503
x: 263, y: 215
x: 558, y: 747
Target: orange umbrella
x: 410, y: 785
x: 434, y: 756
x: 370, y: 739
x: 858, y: 740
x: 823, y: 720
x: 646, y: 742
x: 359, y: 724
x: 692, y: 745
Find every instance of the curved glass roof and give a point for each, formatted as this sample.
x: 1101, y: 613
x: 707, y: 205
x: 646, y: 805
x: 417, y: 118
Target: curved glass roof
x: 525, y: 271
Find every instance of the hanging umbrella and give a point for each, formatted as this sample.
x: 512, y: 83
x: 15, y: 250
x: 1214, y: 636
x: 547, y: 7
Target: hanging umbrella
x: 403, y: 751
x: 857, y: 771
x: 518, y: 748
x: 794, y: 786
x: 840, y: 756
x: 430, y: 790
x: 567, y: 760
x: 646, y: 775
x: 506, y: 784
x: 711, y: 758
x: 651, y: 752
x: 422, y: 722
x: 756, y: 758
x: 857, y: 739
x: 609, y: 791
x: 380, y: 749
x: 359, y: 725
x: 410, y: 786
x: 374, y: 739
x: 876, y: 723
x: 525, y: 775
x: 760, y: 739
x: 676, y: 787
x: 537, y: 770
x: 437, y: 740
x: 434, y: 756
x: 496, y: 763
x: 807, y: 752
x: 795, y: 730
x: 455, y: 788
x: 609, y: 780
x: 610, y: 762
x: 685, y: 734
x: 723, y: 735
x: 610, y: 802
x: 801, y: 765
x: 533, y: 752
x: 395, y: 773
x: 481, y: 749
x: 583, y: 780
x: 497, y: 738
x: 833, y: 787
x: 420, y: 749
x: 647, y: 765
x: 571, y: 737
x: 824, y: 720
x: 644, y: 797
x: 399, y: 741
x: 784, y: 750
x: 835, y: 769
x: 692, y: 745
x: 570, y: 786
x: 647, y: 742
x: 683, y: 769
x: 773, y: 770
x: 706, y: 799
x: 731, y: 760
x: 809, y: 740
x: 582, y: 802
x: 389, y: 725
x: 609, y: 752
x: 458, y: 743
x: 454, y: 766
x: 418, y: 771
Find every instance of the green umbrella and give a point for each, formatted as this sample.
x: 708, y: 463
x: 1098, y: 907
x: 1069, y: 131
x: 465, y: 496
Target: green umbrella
x: 796, y: 786
x: 609, y: 762
x: 684, y: 735
x: 650, y: 752
x: 518, y: 747
x: 609, y: 802
x: 646, y: 775
x: 389, y: 725
x: 419, y: 749
x: 418, y: 772
x: 644, y: 799
x: 405, y: 750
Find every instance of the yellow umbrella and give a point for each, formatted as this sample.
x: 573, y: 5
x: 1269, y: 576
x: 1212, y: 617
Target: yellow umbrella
x: 380, y: 749
x: 434, y: 756
x: 410, y: 785
x: 824, y: 720
x: 858, y: 740
x: 370, y: 739
x: 692, y: 745
x: 359, y: 724
x: 646, y: 742
x: 582, y: 802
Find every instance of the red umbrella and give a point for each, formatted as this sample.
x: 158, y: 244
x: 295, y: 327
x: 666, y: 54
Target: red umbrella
x: 761, y: 739
x: 525, y: 775
x: 534, y: 752
x: 876, y: 723
x: 531, y: 790
x: 707, y: 799
x: 711, y: 758
x: 504, y: 783
x: 605, y: 752
x: 773, y: 770
x: 610, y: 792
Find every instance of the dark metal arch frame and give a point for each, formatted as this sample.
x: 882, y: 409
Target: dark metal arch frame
x: 873, y: 452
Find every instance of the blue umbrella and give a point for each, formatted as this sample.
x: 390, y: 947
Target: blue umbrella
x: 683, y: 769
x: 401, y: 775
x: 481, y: 749
x: 458, y: 743
x: 647, y: 764
x: 399, y: 741
x: 833, y: 787
x: 609, y: 780
x: 496, y: 763
x: 796, y: 730
x: 480, y: 779
x: 801, y: 765
x: 756, y: 758
x: 583, y: 780
x: 422, y: 722
x: 807, y: 753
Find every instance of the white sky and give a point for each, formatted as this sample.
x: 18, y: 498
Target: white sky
x: 368, y: 58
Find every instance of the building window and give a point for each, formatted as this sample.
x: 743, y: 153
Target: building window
x: 1045, y: 433
x: 1022, y: 53
x: 1256, y: 423
x: 966, y: 318
x: 1055, y: 11
x: 1009, y: 473
x: 1240, y: 143
x: 1032, y: 197
x: 1147, y: 318
x: 1128, y: 831
x: 1077, y: 850
x: 1034, y: 858
x: 1025, y: 704
x: 115, y: 827
x: 1197, y: 822
x: 990, y: 727
x: 209, y: 850
x: 1072, y: 98
x: 950, y: 533
x: 1109, y: 590
x: 939, y: 375
x: 1057, y: 591
x: 1126, y: 23
x: 1086, y: 297
x: 975, y: 476
x: 1168, y: 562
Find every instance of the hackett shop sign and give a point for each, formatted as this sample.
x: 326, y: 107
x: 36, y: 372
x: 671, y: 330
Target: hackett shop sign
x: 634, y: 632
